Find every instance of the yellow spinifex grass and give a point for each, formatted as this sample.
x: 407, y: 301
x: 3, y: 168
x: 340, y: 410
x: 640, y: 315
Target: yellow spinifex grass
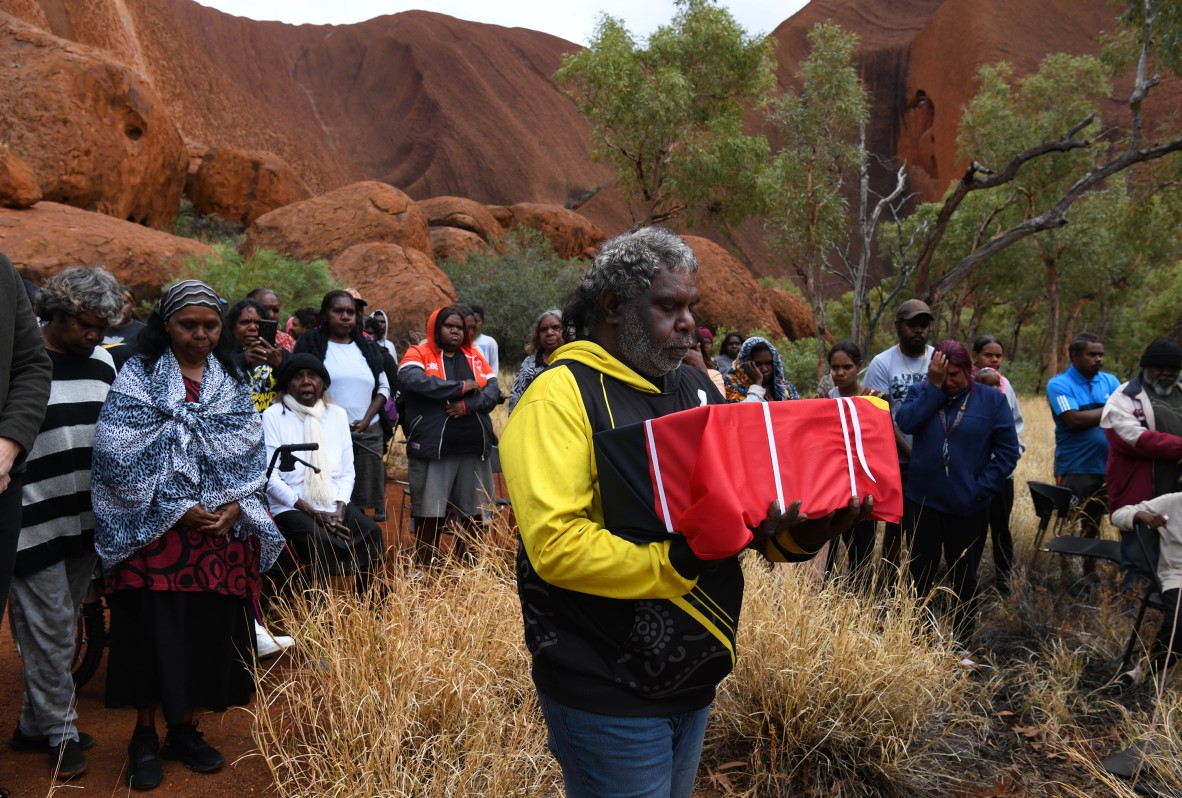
x: 839, y: 692
x: 420, y: 687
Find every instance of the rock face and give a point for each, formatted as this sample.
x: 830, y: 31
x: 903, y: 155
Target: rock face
x: 792, y: 313
x: 463, y: 213
x: 454, y: 244
x: 326, y: 226
x: 93, y: 131
x: 240, y: 185
x: 571, y: 234
x: 18, y: 185
x: 45, y: 239
x: 405, y: 283
x: 731, y: 296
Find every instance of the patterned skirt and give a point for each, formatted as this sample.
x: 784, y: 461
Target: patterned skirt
x: 369, y: 463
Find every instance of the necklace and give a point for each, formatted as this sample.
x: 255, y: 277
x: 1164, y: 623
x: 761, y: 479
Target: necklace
x: 907, y: 365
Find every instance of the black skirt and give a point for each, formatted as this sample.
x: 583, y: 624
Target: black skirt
x: 179, y: 650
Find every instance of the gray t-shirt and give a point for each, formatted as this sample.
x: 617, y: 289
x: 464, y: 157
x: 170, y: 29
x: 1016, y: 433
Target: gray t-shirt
x: 893, y: 374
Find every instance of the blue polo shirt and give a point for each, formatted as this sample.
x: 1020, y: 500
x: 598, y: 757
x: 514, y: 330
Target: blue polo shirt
x: 1079, y: 451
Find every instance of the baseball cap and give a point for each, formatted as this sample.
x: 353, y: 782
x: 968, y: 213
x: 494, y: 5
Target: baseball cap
x: 912, y: 308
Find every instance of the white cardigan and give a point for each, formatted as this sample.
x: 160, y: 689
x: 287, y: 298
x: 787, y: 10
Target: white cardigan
x: 281, y: 427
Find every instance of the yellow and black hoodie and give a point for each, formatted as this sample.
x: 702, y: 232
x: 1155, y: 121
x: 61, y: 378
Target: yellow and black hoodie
x: 614, y: 626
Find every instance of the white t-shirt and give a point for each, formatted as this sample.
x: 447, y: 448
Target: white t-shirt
x: 893, y: 373
x: 352, y: 382
x: 488, y: 347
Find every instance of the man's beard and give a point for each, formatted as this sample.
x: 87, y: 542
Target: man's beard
x: 1161, y: 386
x: 639, y: 351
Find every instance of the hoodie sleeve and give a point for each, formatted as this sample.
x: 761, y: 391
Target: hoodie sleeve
x: 549, y: 464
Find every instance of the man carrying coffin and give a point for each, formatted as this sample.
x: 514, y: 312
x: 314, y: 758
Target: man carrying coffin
x: 629, y: 637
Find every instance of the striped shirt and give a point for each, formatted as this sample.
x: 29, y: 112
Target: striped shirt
x: 57, y: 520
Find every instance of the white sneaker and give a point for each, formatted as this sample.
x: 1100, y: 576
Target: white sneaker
x: 268, y: 644
x: 1132, y: 678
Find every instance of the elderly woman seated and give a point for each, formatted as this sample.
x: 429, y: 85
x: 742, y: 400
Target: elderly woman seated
x: 312, y: 508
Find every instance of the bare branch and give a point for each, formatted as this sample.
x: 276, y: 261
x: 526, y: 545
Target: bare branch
x: 970, y: 183
x: 1050, y: 218
x: 1142, y: 85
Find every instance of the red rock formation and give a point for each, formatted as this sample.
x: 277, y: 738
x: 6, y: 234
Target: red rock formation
x: 326, y: 226
x: 454, y: 244
x: 465, y: 214
x: 403, y: 282
x: 18, y: 185
x: 791, y: 312
x: 240, y: 186
x: 731, y: 296
x: 93, y: 131
x: 572, y: 235
x: 50, y: 237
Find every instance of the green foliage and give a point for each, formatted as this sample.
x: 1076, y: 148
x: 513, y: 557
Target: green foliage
x: 192, y: 223
x: 787, y: 283
x: 233, y: 275
x: 514, y: 286
x: 806, y: 208
x: 669, y: 116
x: 1166, y: 38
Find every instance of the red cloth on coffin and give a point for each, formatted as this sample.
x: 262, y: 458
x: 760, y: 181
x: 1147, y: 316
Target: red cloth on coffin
x: 717, y: 475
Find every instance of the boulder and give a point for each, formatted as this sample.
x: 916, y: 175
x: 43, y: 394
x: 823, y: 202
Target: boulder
x: 326, y: 226
x: 402, y: 281
x: 463, y: 213
x: 50, y: 237
x: 454, y: 244
x: 792, y: 313
x: 242, y: 185
x: 93, y: 130
x: 503, y: 215
x: 731, y: 296
x: 18, y: 185
x: 570, y: 234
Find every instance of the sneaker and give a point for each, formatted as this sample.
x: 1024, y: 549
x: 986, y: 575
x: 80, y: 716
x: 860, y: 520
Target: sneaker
x: 19, y: 741
x: 144, y: 770
x: 269, y: 645
x: 969, y: 661
x: 1132, y: 678
x: 67, y: 760
x: 185, y: 743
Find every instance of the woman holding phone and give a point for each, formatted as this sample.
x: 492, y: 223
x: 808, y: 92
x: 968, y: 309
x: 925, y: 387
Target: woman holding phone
x: 255, y: 350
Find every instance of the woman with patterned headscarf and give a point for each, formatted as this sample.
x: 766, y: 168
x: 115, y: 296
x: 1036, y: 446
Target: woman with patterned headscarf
x: 182, y: 530
x: 758, y: 375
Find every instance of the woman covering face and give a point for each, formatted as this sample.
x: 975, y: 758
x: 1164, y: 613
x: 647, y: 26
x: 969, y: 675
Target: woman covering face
x: 758, y: 375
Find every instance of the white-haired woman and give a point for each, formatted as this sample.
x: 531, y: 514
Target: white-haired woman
x: 544, y: 338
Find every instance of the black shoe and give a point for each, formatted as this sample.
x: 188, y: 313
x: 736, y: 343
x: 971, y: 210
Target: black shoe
x: 144, y: 770
x: 19, y: 741
x: 379, y: 515
x: 66, y: 760
x: 185, y: 743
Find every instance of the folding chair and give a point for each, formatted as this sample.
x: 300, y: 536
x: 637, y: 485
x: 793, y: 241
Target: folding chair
x: 1144, y: 565
x: 1051, y: 504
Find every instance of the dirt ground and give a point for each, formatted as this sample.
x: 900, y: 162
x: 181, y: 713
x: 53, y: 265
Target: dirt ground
x: 27, y: 774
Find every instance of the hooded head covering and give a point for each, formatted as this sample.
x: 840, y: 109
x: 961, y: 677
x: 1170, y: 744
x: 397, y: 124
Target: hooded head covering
x: 386, y: 331
x: 736, y: 381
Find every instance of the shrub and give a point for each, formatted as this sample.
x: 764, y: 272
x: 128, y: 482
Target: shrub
x: 233, y: 275
x: 213, y: 230
x: 514, y: 286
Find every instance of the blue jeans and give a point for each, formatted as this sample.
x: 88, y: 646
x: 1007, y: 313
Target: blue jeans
x: 605, y: 756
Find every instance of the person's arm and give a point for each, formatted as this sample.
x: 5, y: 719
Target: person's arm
x: 338, y: 429
x: 1130, y: 437
x: 279, y: 493
x: 922, y: 402
x: 1016, y: 411
x: 1064, y: 406
x: 877, y: 377
x: 30, y: 373
x: 413, y: 379
x: 1003, y: 446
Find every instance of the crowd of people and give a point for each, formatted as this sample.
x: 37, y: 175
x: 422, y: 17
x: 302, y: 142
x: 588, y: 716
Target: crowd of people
x: 146, y: 451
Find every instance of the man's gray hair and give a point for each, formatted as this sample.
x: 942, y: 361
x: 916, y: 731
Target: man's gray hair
x: 81, y: 289
x: 626, y: 264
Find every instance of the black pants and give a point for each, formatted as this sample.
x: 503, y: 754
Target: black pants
x: 999, y: 532
x: 1161, y: 655
x: 961, y: 539
x: 328, y: 556
x: 10, y: 532
x: 859, y: 545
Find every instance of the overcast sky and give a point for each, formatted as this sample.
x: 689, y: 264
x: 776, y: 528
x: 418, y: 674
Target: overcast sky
x: 571, y: 19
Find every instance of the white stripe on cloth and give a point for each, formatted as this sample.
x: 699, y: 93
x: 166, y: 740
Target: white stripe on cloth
x: 652, y: 447
x: 771, y: 442
x: 849, y: 456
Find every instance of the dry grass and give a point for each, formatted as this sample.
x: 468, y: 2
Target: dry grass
x: 421, y: 687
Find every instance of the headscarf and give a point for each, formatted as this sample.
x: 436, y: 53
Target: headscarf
x: 736, y: 382
x: 156, y: 455
x: 186, y: 293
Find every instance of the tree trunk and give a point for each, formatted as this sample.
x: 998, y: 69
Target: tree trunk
x: 1053, y: 325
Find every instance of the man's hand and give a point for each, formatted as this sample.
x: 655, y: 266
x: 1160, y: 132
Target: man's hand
x: 1151, y: 520
x: 938, y: 369
x: 470, y: 386
x: 456, y: 409
x: 9, y: 451
x: 809, y: 533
